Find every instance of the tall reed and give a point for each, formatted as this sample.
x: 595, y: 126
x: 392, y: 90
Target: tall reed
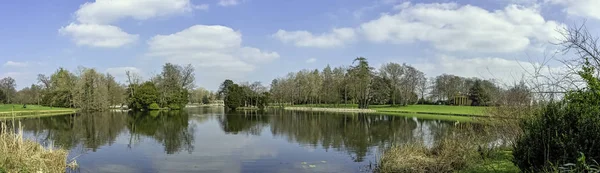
x: 22, y: 155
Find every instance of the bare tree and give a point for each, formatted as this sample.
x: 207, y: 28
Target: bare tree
x: 392, y: 72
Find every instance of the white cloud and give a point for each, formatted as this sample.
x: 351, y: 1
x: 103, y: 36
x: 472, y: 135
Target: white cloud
x: 98, y: 35
x: 202, y: 7
x: 451, y: 27
x: 16, y: 64
x: 228, y: 2
x: 13, y: 75
x: 336, y: 38
x: 582, y: 8
x: 120, y: 73
x: 95, y: 20
x: 123, y: 70
x: 311, y: 60
x: 213, y: 49
x: 110, y: 11
x: 503, y: 70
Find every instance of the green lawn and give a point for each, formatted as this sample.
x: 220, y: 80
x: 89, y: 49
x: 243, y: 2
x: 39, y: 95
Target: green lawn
x: 431, y: 116
x: 500, y: 162
x: 19, y: 107
x: 423, y: 109
x: 325, y: 105
x: 441, y: 109
x: 17, y: 111
x: 437, y: 112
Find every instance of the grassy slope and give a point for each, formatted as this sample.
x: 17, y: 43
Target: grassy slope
x: 17, y: 111
x: 436, y: 112
x: 500, y: 162
x: 442, y: 109
x: 431, y: 116
x: 19, y: 107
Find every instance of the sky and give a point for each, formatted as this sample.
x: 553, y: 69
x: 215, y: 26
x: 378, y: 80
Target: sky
x: 259, y: 40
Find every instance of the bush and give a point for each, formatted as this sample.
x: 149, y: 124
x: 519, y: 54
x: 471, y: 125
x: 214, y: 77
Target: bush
x: 581, y: 165
x: 562, y: 130
x: 174, y: 106
x: 153, y: 106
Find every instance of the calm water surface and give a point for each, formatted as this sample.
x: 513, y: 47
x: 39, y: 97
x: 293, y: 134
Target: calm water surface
x: 211, y: 140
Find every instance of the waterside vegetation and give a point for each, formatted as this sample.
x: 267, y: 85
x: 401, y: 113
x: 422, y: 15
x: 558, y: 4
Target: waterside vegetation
x: 22, y: 155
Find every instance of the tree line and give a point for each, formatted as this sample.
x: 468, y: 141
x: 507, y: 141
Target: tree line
x: 244, y: 95
x: 392, y: 83
x: 91, y: 91
x: 173, y: 88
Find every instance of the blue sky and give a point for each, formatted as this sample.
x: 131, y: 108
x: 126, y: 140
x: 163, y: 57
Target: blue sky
x: 258, y: 40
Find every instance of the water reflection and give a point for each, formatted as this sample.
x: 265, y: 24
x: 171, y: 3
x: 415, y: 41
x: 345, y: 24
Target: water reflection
x: 171, y: 129
x: 354, y: 133
x: 212, y: 140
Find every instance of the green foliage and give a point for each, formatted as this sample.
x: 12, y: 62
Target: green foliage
x: 557, y: 134
x: 263, y: 100
x: 3, y: 98
x: 173, y: 84
x: 477, y: 94
x: 223, y: 89
x: 234, y: 97
x: 142, y: 96
x: 581, y: 165
x: 153, y: 106
x: 59, y: 98
x: 90, y: 92
x: 361, y: 74
x: 205, y: 99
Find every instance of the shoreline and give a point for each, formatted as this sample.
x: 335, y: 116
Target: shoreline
x: 316, y: 109
x: 421, y: 115
x: 34, y: 113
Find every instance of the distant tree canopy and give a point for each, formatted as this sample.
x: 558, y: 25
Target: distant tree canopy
x: 248, y: 95
x: 360, y: 84
x: 392, y: 83
x: 478, y: 95
x: 202, y: 96
x: 7, y: 87
x: 234, y: 96
x: 91, y: 91
x: 142, y: 96
x: 170, y: 89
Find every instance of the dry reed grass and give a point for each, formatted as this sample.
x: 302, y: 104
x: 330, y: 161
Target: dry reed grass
x: 22, y: 155
x: 448, y: 155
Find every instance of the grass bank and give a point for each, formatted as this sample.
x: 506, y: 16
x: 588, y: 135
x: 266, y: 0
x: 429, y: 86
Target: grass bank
x: 430, y: 116
x: 17, y: 111
x: 437, y: 112
x: 21, y: 155
x: 436, y: 109
x: 460, y: 153
x: 498, y: 162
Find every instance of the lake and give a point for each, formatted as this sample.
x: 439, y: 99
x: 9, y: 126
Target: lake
x: 212, y: 140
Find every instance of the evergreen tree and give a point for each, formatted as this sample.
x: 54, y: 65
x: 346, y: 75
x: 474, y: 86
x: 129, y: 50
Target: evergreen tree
x: 478, y: 95
x: 234, y: 97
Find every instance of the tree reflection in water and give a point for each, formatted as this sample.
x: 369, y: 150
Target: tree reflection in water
x: 355, y: 134
x: 93, y: 130
x: 358, y: 135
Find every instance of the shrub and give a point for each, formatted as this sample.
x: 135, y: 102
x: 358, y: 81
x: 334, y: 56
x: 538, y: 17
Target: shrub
x: 153, y: 106
x: 581, y: 165
x: 557, y: 134
x: 175, y: 106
